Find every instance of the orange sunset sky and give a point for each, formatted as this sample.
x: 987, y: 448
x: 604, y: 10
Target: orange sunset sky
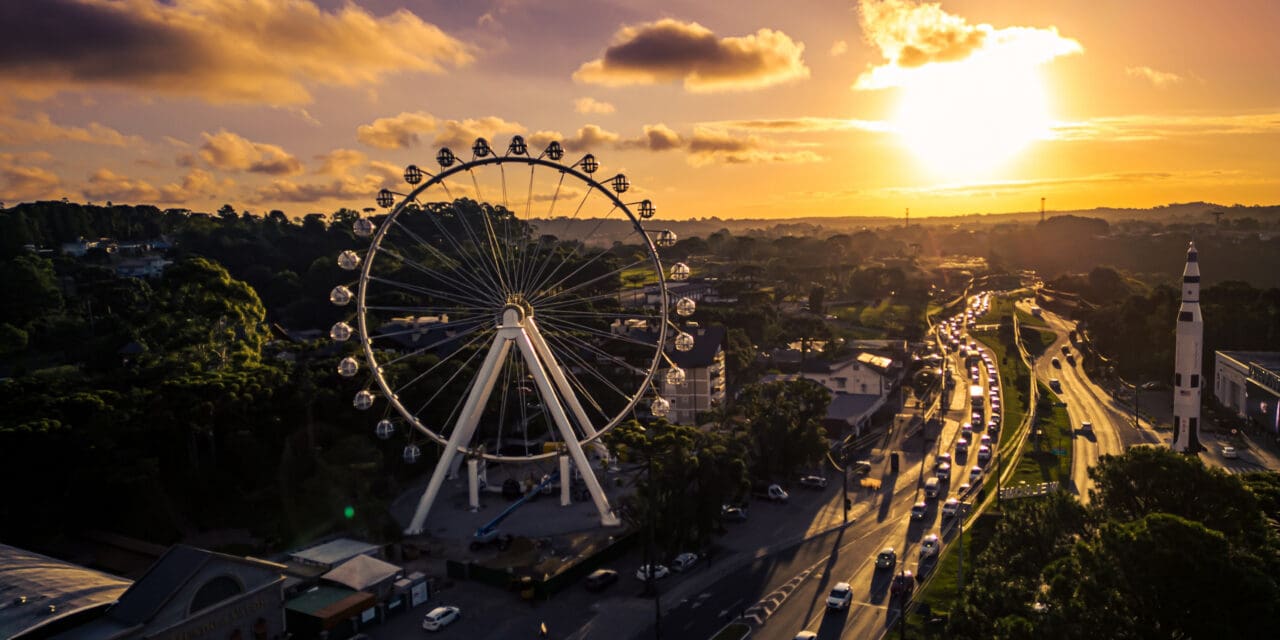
x: 727, y: 108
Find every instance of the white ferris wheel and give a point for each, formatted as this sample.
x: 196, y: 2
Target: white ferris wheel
x: 500, y: 340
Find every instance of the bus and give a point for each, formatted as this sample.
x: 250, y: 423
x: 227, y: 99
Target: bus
x: 976, y: 397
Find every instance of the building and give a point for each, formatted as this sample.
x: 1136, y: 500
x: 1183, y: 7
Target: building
x: 704, y: 381
x: 859, y: 387
x: 1248, y: 383
x: 187, y: 593
x: 41, y: 594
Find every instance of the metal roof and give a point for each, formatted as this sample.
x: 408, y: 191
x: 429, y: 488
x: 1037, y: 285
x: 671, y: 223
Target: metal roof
x: 46, y: 582
x: 335, y: 552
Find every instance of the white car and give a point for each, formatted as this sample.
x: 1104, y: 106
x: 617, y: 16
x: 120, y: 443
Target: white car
x: 841, y: 596
x: 929, y: 546
x: 441, y: 617
x: 684, y: 561
x: 814, y: 482
x: 659, y: 572
x: 1230, y: 452
x: 806, y: 635
x: 962, y: 445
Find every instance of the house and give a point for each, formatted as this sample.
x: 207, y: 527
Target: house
x: 147, y: 266
x: 859, y: 386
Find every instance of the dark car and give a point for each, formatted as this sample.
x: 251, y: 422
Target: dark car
x: 600, y: 578
x: 731, y: 513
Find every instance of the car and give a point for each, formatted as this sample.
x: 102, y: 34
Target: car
x: 806, y: 635
x: 1230, y: 452
x: 964, y: 488
x: 441, y: 617
x: 951, y: 508
x: 966, y: 429
x: 975, y: 474
x: 1071, y: 359
x: 1055, y: 384
x: 600, y: 578
x: 659, y: 572
x: 993, y: 427
x: 1066, y: 350
x: 903, y: 583
x: 861, y: 468
x: 684, y: 561
x: 886, y: 558
x: 943, y: 458
x: 931, y: 488
x: 814, y: 482
x: 733, y: 514
x: 985, y: 439
x: 1086, y: 426
x: 918, y: 510
x: 841, y: 596
x: 929, y: 546
x: 944, y: 472
x: 1056, y: 364
x: 984, y: 453
x: 962, y: 445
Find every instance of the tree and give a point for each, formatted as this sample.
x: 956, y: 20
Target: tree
x: 783, y: 425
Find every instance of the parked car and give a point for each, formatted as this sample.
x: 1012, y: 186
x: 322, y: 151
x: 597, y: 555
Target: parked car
x: 773, y: 493
x: 841, y: 596
x: 600, y: 579
x: 684, y: 561
x: 659, y: 572
x: 943, y: 458
x: 1055, y: 384
x: 814, y: 482
x: 731, y: 513
x: 1230, y: 452
x: 975, y: 474
x: 886, y: 558
x: 441, y: 617
x: 806, y: 635
x: 929, y: 546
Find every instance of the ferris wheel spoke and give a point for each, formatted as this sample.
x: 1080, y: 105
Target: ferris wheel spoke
x: 463, y: 270
x: 447, y: 383
x: 410, y: 309
x: 635, y: 315
x: 609, y: 357
x: 580, y: 285
x: 427, y: 291
x: 526, y: 273
x: 566, y: 325
x: 440, y: 343
x: 574, y: 254
x: 428, y: 271
x: 572, y: 302
x: 443, y: 360
x: 480, y: 264
x: 462, y: 255
x: 470, y: 326
x: 499, y: 260
x: 567, y: 352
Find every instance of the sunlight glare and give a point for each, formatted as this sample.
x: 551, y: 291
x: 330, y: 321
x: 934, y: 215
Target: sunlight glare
x: 967, y: 119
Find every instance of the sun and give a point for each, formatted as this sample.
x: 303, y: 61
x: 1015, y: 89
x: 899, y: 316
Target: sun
x: 968, y: 119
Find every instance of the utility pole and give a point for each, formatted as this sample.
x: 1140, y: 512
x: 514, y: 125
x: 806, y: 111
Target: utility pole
x: 906, y: 218
x: 1041, y: 209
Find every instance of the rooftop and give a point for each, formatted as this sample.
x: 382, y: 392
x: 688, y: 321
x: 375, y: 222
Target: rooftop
x: 334, y: 552
x: 46, y: 582
x: 1269, y: 360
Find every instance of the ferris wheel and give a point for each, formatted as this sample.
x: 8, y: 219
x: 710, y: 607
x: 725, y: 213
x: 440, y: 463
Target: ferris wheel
x: 494, y: 321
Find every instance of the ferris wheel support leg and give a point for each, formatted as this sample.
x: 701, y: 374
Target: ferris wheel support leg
x: 463, y: 428
x: 562, y: 385
x: 566, y: 481
x: 607, y: 517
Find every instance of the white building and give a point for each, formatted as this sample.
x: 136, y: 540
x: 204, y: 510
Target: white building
x: 1248, y: 383
x: 859, y: 386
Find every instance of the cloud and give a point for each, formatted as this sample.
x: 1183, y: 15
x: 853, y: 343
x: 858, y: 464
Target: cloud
x: 22, y: 180
x: 669, y: 50
x: 659, y: 137
x: 105, y: 184
x: 1160, y: 79
x: 590, y: 137
x: 591, y: 105
x: 222, y: 51
x: 343, y: 188
x: 708, y: 146
x: 339, y: 161
x: 16, y: 131
x: 408, y: 129
x: 230, y: 152
x: 1158, y: 127
x: 911, y: 35
x: 838, y: 48
x: 397, y: 132
x: 802, y: 125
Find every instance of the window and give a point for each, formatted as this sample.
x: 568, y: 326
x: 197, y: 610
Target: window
x: 1186, y: 316
x: 1195, y: 380
x: 1177, y: 379
x: 864, y: 387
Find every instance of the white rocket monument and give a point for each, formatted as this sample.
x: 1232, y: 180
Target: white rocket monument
x: 1186, y: 360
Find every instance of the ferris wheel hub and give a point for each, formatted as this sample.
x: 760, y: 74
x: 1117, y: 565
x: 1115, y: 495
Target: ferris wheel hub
x: 513, y: 315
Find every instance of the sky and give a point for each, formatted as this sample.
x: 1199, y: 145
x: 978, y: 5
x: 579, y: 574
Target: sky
x: 734, y: 108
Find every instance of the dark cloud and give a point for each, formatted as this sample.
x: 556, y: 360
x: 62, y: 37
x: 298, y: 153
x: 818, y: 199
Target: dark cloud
x: 669, y: 50
x: 225, y: 51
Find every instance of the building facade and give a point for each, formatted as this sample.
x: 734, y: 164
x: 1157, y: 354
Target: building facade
x: 1248, y: 383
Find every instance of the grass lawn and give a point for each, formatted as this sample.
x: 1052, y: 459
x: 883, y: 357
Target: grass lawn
x: 944, y: 589
x: 1039, y: 463
x: 1037, y: 341
x: 637, y: 277
x: 1005, y: 306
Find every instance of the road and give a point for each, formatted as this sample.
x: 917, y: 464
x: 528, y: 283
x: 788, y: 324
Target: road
x: 1113, y: 429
